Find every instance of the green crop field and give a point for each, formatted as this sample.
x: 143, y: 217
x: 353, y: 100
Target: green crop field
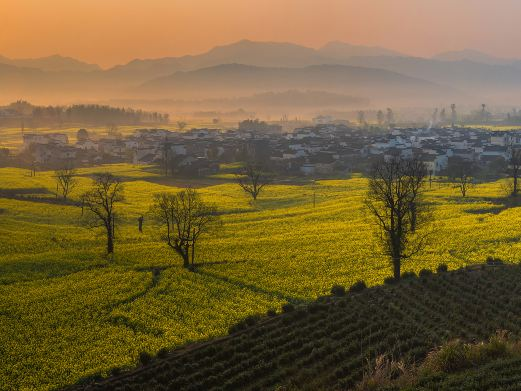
x: 67, y: 312
x: 331, y: 343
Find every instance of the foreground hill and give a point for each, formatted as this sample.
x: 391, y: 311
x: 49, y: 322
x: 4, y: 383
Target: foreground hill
x: 327, y: 344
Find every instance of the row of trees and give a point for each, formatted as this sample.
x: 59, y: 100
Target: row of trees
x: 183, y: 216
x: 395, y: 199
x: 95, y: 115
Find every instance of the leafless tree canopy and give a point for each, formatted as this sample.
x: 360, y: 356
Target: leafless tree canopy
x: 185, y: 217
x: 394, y: 198
x: 252, y: 179
x: 181, y: 125
x: 464, y: 175
x: 514, y: 170
x: 65, y: 181
x: 100, y: 201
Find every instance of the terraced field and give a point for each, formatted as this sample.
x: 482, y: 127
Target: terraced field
x: 67, y: 312
x: 328, y: 344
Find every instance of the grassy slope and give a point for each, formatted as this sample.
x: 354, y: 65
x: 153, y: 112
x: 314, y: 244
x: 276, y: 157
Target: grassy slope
x: 326, y: 345
x: 67, y: 312
x: 499, y: 375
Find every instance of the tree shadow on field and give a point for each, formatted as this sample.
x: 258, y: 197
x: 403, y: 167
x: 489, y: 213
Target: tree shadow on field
x: 254, y: 288
x: 497, y: 205
x: 214, y: 263
x: 42, y: 269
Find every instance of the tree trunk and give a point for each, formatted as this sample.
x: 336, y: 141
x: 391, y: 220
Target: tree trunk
x: 110, y: 240
x: 396, y: 267
x: 186, y: 258
x: 514, y: 190
x: 413, y: 216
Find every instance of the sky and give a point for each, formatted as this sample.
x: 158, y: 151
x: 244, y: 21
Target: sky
x: 109, y: 32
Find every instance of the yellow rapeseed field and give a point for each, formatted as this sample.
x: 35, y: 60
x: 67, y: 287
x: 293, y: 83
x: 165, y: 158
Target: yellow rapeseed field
x: 68, y: 312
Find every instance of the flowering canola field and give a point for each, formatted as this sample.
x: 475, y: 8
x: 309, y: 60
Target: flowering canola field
x: 66, y: 312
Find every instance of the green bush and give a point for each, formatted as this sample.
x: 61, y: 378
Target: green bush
x: 451, y: 357
x: 358, y: 286
x: 162, y: 353
x: 145, y: 358
x: 442, y: 268
x: 425, y: 273
x: 408, y: 275
x: 288, y: 308
x: 494, y: 261
x: 338, y: 290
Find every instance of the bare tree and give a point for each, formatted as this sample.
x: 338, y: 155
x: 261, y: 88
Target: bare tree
x: 389, y: 117
x: 453, y: 114
x: 443, y: 115
x: 167, y: 149
x: 434, y: 118
x: 394, y: 198
x: 181, y: 125
x: 514, y: 170
x: 380, y: 117
x: 252, y: 179
x: 361, y: 118
x: 65, y: 181
x: 100, y: 201
x: 186, y: 217
x: 416, y: 171
x: 464, y: 174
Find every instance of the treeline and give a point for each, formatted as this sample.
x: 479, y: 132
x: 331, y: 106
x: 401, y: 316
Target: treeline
x: 97, y: 115
x: 91, y: 114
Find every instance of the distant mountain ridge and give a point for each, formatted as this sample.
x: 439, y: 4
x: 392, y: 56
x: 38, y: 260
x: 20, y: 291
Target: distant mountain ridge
x: 239, y: 79
x: 473, y: 55
x: 263, y: 54
x: 394, y: 75
x: 54, y: 63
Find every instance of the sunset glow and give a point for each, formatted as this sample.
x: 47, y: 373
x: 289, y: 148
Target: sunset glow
x: 117, y: 31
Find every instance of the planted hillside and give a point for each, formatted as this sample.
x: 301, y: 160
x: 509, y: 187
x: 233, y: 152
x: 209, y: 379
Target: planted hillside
x: 327, y: 344
x: 456, y: 365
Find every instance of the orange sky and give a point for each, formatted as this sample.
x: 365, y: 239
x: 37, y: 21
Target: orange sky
x: 115, y: 31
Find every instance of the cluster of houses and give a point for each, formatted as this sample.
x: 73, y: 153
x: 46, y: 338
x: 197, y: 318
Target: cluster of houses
x: 318, y: 150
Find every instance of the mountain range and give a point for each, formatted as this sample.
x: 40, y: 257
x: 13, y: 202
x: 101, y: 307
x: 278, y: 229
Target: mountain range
x: 248, y: 68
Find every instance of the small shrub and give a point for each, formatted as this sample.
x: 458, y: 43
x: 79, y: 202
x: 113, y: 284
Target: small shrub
x: 145, y: 358
x: 494, y: 261
x: 271, y: 312
x: 408, y: 275
x: 338, y: 290
x: 381, y: 375
x: 451, y: 357
x: 251, y: 320
x: 358, y: 286
x: 162, y: 353
x: 425, y: 273
x: 442, y: 268
x: 288, y: 308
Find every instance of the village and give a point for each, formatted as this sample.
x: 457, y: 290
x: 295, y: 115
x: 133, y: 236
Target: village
x: 318, y: 150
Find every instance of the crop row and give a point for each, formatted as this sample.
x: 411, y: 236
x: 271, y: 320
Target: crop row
x: 328, y: 343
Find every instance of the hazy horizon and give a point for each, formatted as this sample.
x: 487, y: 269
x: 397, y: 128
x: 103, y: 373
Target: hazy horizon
x: 115, y: 33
